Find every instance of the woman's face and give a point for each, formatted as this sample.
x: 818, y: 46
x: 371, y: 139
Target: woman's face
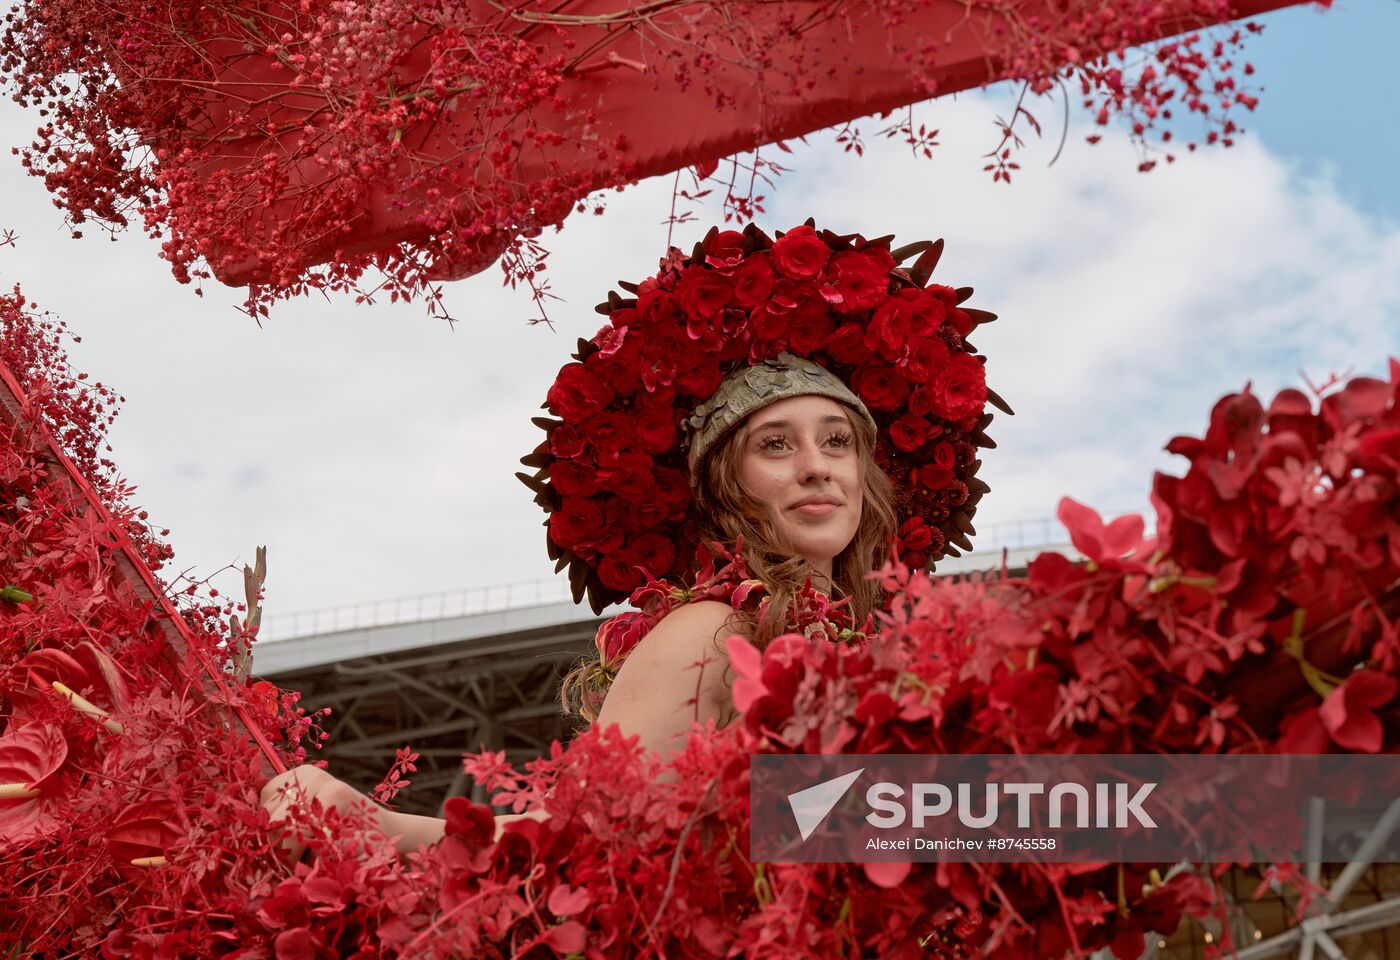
x: 800, y: 457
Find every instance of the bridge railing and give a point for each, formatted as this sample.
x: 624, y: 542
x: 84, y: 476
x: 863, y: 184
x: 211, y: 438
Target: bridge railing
x: 521, y: 594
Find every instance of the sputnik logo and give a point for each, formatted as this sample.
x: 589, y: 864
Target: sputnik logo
x: 810, y: 806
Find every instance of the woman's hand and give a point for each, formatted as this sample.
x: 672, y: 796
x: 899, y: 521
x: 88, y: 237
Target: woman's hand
x: 305, y: 783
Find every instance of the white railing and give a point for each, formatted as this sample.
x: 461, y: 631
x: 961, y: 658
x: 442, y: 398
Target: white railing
x: 521, y: 594
x: 427, y: 606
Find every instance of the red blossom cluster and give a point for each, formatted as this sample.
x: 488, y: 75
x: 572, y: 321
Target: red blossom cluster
x: 396, y: 142
x: 611, y: 472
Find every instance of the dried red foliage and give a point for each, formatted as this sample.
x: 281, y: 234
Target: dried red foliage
x: 1261, y: 618
x: 417, y: 139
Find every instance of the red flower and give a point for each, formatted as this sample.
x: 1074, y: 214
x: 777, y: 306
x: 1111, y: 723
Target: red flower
x: 1349, y: 715
x: 915, y: 534
x: 647, y: 515
x: 933, y: 476
x: 909, y: 432
x: 654, y: 553
x: 960, y: 390
x: 890, y: 328
x: 943, y: 456
x: 926, y: 313
x: 847, y: 344
x: 573, y: 479
x: 577, y: 522
x: 926, y: 360
x: 618, y: 571
x: 880, y: 387
x: 725, y: 250
x: 577, y: 393
x: 1103, y: 545
x: 655, y: 427
x: 704, y: 293
x: 618, y: 635
x: 857, y: 279
x: 564, y: 442
x: 628, y: 475
x: 809, y: 332
x: 672, y: 486
x: 607, y: 431
x: 800, y: 254
x: 753, y: 281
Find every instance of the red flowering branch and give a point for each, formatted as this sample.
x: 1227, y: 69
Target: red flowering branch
x: 376, y: 148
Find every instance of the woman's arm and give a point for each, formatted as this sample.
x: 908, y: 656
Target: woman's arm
x: 674, y: 677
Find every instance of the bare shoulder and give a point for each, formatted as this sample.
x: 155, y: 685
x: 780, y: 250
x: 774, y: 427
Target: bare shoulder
x: 674, y: 675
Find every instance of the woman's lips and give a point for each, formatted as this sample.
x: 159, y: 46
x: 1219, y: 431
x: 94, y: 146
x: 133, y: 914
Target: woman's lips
x: 816, y: 510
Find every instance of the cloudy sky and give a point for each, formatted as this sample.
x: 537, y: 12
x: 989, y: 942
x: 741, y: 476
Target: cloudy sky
x: 373, y: 448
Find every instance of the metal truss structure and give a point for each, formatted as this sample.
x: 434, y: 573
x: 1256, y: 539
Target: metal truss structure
x: 484, y: 693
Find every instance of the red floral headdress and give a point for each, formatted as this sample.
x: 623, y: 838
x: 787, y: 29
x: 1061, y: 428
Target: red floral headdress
x: 611, y: 472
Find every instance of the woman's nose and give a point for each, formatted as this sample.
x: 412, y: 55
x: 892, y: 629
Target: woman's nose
x: 811, y: 465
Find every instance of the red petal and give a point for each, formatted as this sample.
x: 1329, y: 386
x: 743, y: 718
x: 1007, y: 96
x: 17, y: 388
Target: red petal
x: 31, y: 754
x: 888, y: 875
x: 1123, y: 536
x: 1085, y: 527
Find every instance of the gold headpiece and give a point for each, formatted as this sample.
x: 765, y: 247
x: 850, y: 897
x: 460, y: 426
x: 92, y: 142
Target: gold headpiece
x: 750, y: 388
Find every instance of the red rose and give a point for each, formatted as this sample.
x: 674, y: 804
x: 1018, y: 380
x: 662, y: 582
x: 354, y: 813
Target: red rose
x: 619, y: 572
x: 847, y: 345
x: 646, y: 515
x: 577, y: 393
x: 608, y: 431
x: 933, y: 476
x: 704, y: 293
x: 577, y: 522
x: 572, y: 479
x: 944, y: 455
x: 768, y: 323
x: 654, y: 553
x: 909, y: 432
x: 628, y: 475
x: 725, y: 249
x: 753, y: 281
x: 926, y: 359
x: 654, y: 305
x: 858, y: 279
x: 880, y: 387
x: 655, y: 424
x: 703, y: 380
x: 800, y: 254
x: 961, y: 321
x: 672, y: 486
x: 927, y: 314
x: 890, y: 328
x: 960, y: 390
x: 564, y: 442
x: 809, y: 333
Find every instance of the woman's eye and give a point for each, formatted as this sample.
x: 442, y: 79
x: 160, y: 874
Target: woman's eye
x: 772, y: 443
x: 839, y: 439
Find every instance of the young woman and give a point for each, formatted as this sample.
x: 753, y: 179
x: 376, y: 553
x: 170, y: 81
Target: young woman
x: 795, y: 483
x: 728, y: 405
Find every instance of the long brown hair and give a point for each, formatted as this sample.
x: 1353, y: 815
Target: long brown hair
x: 730, y: 515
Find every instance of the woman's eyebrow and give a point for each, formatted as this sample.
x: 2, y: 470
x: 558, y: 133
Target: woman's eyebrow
x: 784, y: 424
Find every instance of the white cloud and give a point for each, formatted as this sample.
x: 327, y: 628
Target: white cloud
x: 372, y: 448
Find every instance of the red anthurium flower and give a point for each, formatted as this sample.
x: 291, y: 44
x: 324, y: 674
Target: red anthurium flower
x: 1349, y: 715
x: 148, y: 828
x: 30, y: 755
